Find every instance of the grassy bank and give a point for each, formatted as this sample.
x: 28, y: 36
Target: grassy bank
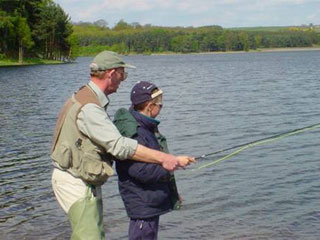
x: 27, y: 61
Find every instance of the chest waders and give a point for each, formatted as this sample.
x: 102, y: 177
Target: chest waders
x: 86, y: 218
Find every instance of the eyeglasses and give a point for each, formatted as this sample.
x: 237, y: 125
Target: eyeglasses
x: 159, y: 105
x: 124, y: 75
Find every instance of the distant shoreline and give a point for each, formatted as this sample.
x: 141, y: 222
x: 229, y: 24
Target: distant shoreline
x: 289, y: 49
x: 262, y: 50
x: 11, y: 63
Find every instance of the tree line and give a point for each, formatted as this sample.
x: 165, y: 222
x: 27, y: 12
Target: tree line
x: 135, y: 38
x: 35, y: 28
x: 41, y: 29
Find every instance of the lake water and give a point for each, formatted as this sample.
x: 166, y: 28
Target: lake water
x: 211, y: 101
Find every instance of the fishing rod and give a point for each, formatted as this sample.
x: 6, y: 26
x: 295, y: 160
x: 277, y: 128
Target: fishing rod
x: 252, y: 144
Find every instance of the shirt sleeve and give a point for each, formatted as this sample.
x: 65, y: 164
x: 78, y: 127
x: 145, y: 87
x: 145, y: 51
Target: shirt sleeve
x: 95, y: 123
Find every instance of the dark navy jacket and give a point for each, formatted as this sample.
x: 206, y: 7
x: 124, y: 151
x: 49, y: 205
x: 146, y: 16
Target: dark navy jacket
x: 144, y: 187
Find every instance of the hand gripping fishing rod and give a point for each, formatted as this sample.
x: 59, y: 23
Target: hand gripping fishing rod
x: 244, y: 146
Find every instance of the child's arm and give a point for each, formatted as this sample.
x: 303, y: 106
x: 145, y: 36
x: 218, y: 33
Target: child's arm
x: 148, y: 172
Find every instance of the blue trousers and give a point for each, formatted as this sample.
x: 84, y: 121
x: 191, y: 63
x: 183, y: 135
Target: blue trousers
x: 144, y: 229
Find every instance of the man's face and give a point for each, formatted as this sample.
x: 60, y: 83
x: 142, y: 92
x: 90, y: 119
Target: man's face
x: 117, y: 76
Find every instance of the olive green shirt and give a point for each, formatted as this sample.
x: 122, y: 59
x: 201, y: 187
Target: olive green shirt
x: 94, y: 122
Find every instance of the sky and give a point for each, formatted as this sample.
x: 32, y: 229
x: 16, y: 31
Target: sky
x: 185, y: 13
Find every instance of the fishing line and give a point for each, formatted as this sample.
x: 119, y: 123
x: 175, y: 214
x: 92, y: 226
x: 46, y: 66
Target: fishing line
x: 245, y: 146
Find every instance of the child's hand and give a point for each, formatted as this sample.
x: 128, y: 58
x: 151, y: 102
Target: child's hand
x: 180, y: 199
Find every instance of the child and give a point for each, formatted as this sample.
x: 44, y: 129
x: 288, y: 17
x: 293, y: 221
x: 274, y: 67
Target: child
x: 147, y: 189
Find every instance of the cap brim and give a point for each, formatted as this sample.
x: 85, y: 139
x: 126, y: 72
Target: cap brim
x: 156, y: 94
x: 128, y: 66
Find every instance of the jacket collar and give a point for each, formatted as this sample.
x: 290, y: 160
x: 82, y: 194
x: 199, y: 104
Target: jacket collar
x: 145, y: 121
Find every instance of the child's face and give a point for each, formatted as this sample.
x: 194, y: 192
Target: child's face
x: 156, y: 107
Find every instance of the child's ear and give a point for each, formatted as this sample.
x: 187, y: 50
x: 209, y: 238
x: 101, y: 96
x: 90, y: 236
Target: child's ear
x: 149, y: 105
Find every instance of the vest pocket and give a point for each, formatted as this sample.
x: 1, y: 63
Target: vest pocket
x: 65, y: 155
x: 94, y: 170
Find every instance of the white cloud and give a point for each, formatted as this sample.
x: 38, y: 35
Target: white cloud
x: 313, y: 18
x: 274, y: 3
x: 192, y: 7
x: 163, y: 3
x: 67, y: 1
x: 126, y: 5
x: 105, y: 7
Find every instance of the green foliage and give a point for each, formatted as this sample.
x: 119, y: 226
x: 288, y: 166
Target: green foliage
x: 184, y: 44
x: 257, y: 41
x: 23, y: 32
x: 125, y: 38
x: 244, y: 43
x: 73, y: 42
x: 27, y: 61
x: 92, y: 50
x: 119, y: 48
x: 122, y: 25
x: 7, y: 31
x: 53, y: 31
x: 41, y: 28
x: 34, y: 28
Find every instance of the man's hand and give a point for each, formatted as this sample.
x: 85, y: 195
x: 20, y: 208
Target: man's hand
x: 185, y: 161
x: 170, y: 162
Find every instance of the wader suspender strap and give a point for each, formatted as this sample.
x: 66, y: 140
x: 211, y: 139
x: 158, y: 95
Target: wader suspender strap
x: 84, y: 95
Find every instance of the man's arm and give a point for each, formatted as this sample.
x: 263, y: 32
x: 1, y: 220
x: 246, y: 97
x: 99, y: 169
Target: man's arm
x: 145, y: 154
x: 95, y: 123
x: 168, y: 161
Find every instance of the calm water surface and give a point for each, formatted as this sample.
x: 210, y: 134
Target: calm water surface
x: 210, y: 102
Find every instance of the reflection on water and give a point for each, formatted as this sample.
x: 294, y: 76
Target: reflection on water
x: 210, y: 102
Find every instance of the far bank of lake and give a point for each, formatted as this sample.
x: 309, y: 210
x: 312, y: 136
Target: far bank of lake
x: 38, y: 61
x: 250, y: 51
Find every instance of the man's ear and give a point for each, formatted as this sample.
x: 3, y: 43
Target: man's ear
x: 110, y: 72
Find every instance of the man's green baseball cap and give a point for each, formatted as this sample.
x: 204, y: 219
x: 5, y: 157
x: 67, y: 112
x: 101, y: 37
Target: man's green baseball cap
x: 108, y: 60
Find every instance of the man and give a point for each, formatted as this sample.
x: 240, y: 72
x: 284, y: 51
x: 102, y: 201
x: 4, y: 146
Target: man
x: 86, y: 140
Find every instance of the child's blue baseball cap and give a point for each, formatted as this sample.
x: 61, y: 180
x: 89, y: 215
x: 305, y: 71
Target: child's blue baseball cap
x: 142, y: 92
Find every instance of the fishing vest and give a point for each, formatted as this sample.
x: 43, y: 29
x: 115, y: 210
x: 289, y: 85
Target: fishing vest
x: 74, y: 152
